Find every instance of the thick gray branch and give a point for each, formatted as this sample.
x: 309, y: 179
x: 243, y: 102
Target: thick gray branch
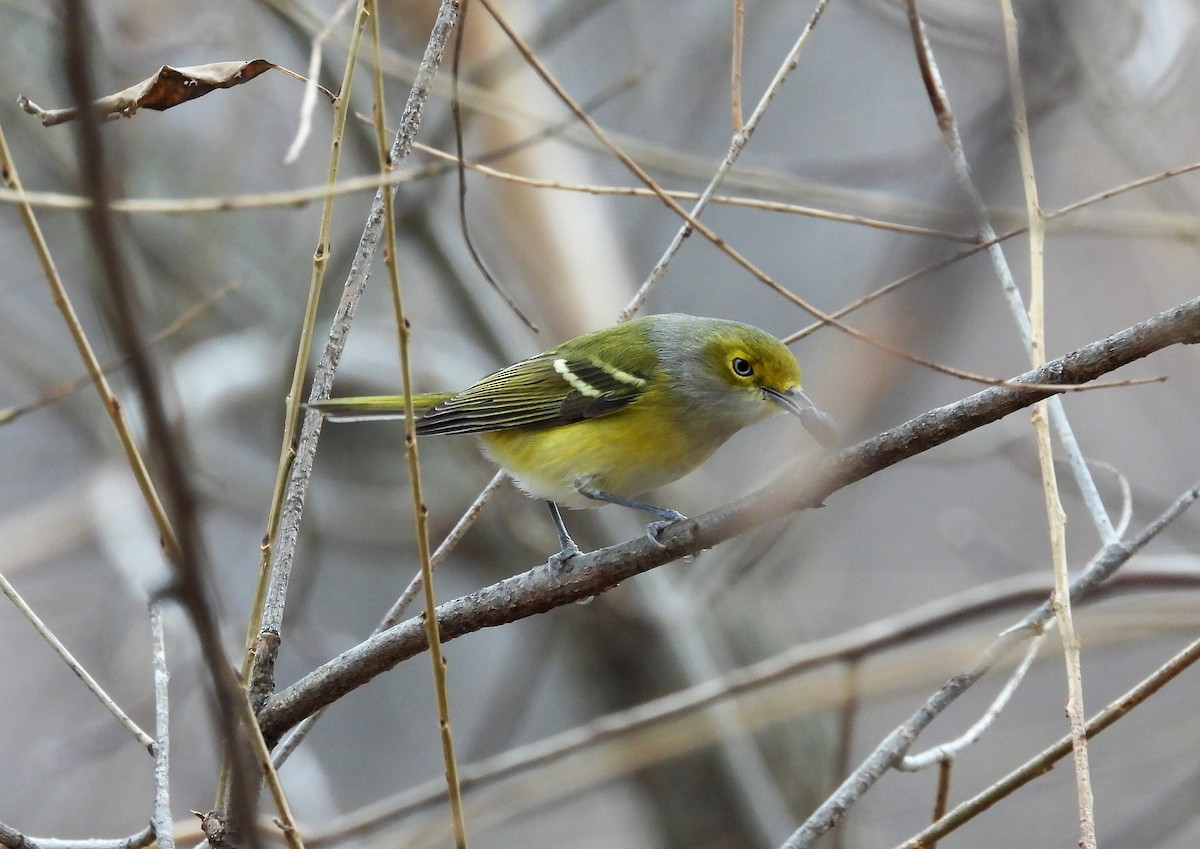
x: 537, y: 590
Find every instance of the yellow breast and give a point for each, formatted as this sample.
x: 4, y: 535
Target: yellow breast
x: 626, y: 453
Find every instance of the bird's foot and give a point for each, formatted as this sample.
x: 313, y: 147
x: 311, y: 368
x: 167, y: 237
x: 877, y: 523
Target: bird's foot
x: 559, y: 564
x: 654, y: 529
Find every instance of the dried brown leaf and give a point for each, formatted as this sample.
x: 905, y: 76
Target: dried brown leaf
x: 169, y: 87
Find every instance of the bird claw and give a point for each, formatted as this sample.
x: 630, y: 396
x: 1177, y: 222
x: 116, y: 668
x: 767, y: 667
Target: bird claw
x: 655, y: 529
x: 559, y: 564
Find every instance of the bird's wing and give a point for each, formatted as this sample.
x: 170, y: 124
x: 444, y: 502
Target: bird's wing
x: 548, y: 390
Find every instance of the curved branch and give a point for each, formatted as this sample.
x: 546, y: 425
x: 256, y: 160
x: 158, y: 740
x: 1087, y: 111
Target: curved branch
x: 10, y: 838
x: 537, y: 591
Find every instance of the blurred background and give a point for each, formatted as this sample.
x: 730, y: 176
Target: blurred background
x: 1114, y: 95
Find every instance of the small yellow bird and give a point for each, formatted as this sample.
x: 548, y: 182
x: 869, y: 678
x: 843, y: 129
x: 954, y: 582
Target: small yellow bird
x: 614, y: 413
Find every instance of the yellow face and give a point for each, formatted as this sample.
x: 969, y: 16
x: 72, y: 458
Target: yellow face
x: 758, y: 376
x: 751, y: 359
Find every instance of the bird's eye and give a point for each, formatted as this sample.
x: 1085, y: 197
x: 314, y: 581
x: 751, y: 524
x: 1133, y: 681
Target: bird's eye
x: 741, y: 368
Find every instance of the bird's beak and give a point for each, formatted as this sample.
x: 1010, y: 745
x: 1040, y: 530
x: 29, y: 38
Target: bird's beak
x: 820, y: 425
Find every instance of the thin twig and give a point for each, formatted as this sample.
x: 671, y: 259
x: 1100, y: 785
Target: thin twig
x: 262, y: 754
x: 614, y: 737
x: 942, y: 798
x: 163, y: 824
x: 690, y: 221
x: 300, y: 471
x: 460, y: 171
x: 11, y: 414
x: 845, y: 733
x: 465, y: 521
x: 946, y: 752
x: 411, y: 453
x: 95, y: 371
x: 896, y: 744
x: 1055, y: 515
x: 267, y: 610
x: 737, y: 143
x: 940, y: 103
x: 308, y: 102
x: 1126, y: 494
x: 185, y: 555
x: 735, y: 95
x: 75, y: 666
x: 727, y: 200
x: 987, y: 244
x: 1042, y: 763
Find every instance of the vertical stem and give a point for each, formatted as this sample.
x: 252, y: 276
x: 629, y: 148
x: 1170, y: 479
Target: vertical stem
x: 1054, y: 511
x: 164, y: 827
x: 735, y: 96
x: 420, y: 510
x: 341, y: 110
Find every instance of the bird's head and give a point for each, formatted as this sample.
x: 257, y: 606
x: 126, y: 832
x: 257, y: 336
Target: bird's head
x: 738, y: 373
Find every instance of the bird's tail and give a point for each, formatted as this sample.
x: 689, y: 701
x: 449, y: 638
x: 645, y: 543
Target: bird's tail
x: 376, y: 407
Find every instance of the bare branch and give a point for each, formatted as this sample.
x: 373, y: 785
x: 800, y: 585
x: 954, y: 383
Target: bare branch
x: 306, y: 447
x: 946, y: 752
x: 888, y: 753
x: 164, y: 826
x: 10, y: 838
x: 662, y: 717
x: 1043, y: 761
x: 80, y: 672
x: 536, y: 591
x: 940, y: 103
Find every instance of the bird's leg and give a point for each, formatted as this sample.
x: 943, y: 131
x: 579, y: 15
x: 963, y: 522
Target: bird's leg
x: 558, y: 562
x: 667, y: 517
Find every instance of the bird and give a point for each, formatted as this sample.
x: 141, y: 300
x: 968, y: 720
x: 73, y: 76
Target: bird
x: 609, y: 415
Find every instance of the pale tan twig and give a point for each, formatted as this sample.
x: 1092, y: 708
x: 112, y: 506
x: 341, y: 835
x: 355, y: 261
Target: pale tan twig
x: 284, y: 820
x: 938, y: 265
x: 63, y: 390
x: 112, y: 406
x: 264, y: 624
x: 308, y: 103
x: 465, y: 521
x: 896, y: 744
x: 1055, y: 515
x: 942, y: 798
x: 411, y: 453
x: 741, y: 137
x: 75, y: 666
x: 940, y: 103
x: 266, y: 613
x: 735, y: 96
x: 1041, y: 763
x: 667, y: 160
x: 727, y: 200
x: 847, y: 719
